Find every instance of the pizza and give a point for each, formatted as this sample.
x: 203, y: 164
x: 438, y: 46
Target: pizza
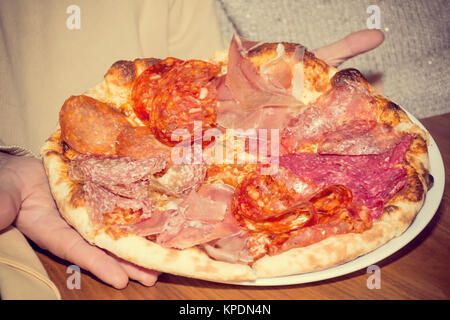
x: 263, y: 161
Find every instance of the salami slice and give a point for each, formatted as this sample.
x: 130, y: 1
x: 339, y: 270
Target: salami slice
x: 261, y: 203
x: 185, y: 96
x: 260, y: 197
x: 373, y: 179
x: 115, y: 186
x: 114, y: 170
x: 102, y: 201
x: 146, y: 85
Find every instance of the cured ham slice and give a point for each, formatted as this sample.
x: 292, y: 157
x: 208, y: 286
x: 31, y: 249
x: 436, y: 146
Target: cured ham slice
x: 246, y: 90
x: 179, y: 180
x: 358, y: 138
x: 276, y: 117
x: 150, y: 225
x: 251, y: 87
x: 341, y: 104
x: 233, y: 248
x: 203, y: 216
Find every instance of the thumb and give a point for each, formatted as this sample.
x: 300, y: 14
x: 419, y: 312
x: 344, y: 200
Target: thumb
x: 350, y: 46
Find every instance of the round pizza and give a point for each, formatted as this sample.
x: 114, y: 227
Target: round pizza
x: 263, y: 161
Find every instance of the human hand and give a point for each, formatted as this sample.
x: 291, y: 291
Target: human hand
x: 350, y: 46
x: 27, y: 201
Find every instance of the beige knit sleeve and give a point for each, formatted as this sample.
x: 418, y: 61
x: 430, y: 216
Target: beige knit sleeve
x: 194, y: 31
x: 420, y: 85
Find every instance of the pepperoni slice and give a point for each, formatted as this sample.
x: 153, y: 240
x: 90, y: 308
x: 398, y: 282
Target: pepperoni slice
x: 306, y: 236
x: 332, y: 198
x: 276, y: 221
x: 146, y: 85
x: 185, y: 95
x: 292, y: 219
x: 353, y: 218
x: 260, y: 197
x: 334, y: 203
x: 261, y: 203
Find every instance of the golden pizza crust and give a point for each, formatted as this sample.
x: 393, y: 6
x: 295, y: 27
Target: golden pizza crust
x: 398, y: 214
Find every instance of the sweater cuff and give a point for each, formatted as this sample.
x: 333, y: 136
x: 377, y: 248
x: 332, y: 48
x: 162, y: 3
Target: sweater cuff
x: 17, y: 151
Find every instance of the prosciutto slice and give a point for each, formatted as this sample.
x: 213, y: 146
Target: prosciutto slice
x: 358, y: 138
x: 203, y: 216
x: 233, y: 248
x: 246, y: 90
x: 341, y: 104
x: 179, y: 180
x: 148, y: 226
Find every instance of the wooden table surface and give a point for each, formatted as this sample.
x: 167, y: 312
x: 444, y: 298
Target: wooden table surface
x: 420, y: 270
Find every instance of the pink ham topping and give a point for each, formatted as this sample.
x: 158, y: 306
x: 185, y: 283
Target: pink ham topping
x: 249, y: 86
x: 245, y: 91
x: 233, y: 248
x: 149, y: 225
x: 359, y: 137
x: 343, y: 104
x: 203, y: 216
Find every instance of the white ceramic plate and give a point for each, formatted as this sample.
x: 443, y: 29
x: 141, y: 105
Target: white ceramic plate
x: 431, y: 204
